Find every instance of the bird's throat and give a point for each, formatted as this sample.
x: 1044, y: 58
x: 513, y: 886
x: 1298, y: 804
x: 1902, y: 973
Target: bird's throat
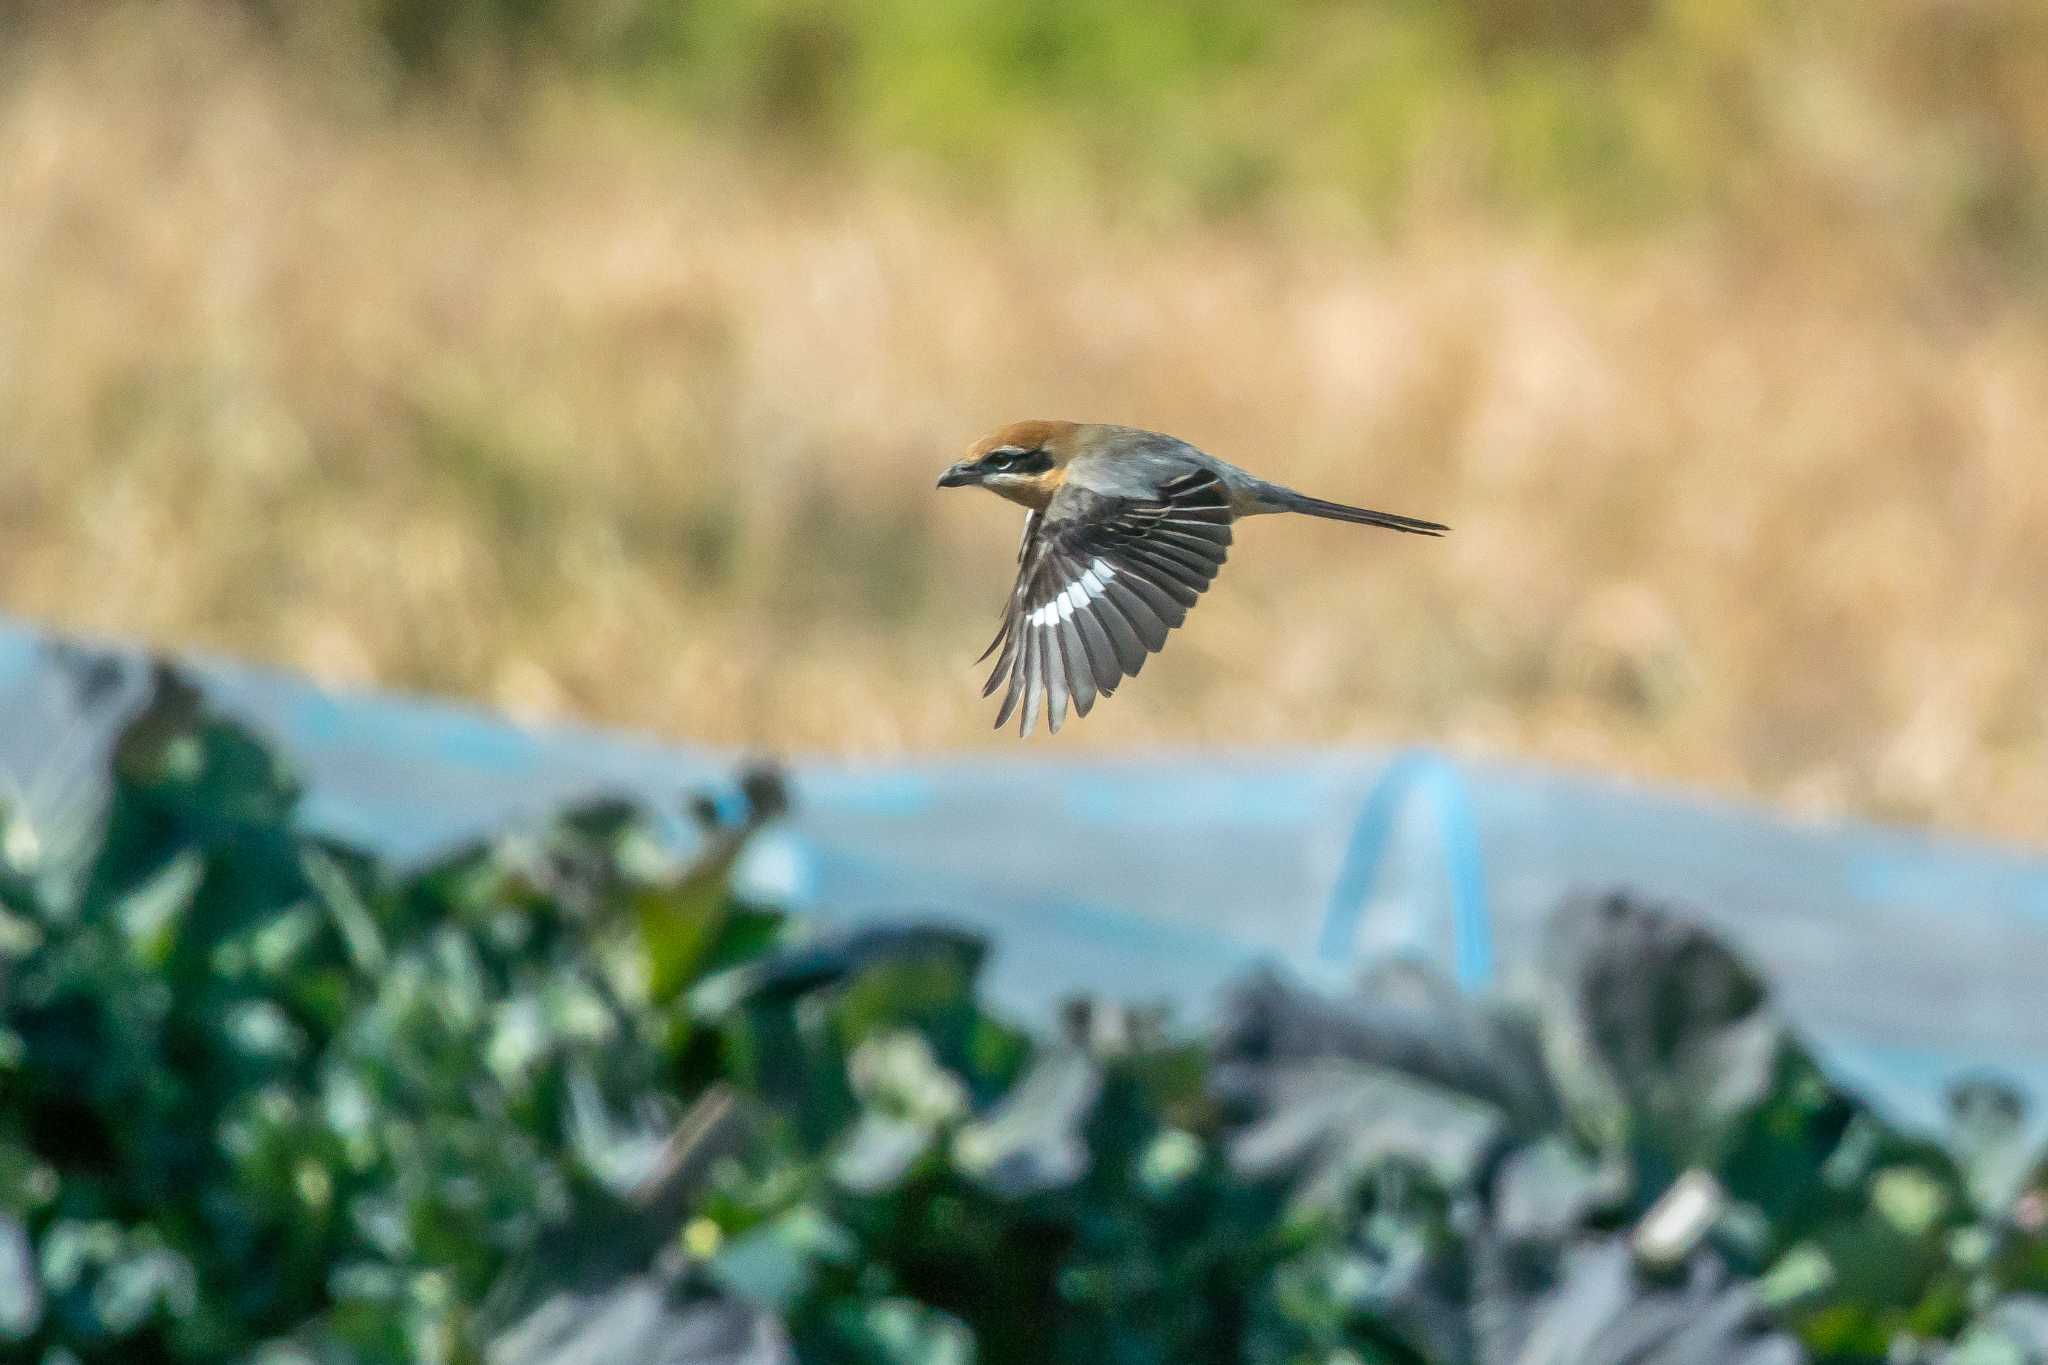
x: 1033, y: 491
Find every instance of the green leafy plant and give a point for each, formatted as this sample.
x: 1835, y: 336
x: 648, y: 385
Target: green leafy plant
x: 563, y: 1096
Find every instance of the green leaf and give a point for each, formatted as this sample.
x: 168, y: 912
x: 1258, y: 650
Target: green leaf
x: 21, y: 1287
x: 772, y: 1265
x: 150, y: 912
x: 1035, y: 1140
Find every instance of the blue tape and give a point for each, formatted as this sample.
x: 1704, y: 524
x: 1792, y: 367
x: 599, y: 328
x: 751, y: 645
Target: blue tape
x: 1464, y: 865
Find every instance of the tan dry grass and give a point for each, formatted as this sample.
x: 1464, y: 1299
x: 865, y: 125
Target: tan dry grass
x: 584, y: 418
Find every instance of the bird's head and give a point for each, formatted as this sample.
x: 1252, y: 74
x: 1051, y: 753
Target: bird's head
x: 1024, y: 461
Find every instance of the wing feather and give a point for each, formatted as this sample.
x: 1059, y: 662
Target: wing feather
x: 1056, y: 693
x: 1101, y: 581
x: 1019, y: 658
x: 1114, y: 613
x: 1097, y: 653
x: 1034, y: 681
x: 1080, y: 668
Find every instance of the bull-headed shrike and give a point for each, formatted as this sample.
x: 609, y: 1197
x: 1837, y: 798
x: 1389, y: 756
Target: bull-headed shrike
x: 1125, y: 528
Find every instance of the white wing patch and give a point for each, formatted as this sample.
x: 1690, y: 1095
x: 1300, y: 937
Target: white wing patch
x: 1092, y: 583
x: 1101, y: 584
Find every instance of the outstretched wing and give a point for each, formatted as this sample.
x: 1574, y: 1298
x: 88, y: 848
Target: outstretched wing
x: 1101, y: 580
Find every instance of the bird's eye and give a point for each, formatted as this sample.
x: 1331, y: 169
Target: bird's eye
x: 1006, y: 457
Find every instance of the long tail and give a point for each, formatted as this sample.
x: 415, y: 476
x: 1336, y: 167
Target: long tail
x: 1287, y: 500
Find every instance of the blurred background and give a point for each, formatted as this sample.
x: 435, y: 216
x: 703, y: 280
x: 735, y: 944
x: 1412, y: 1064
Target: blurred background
x: 595, y: 360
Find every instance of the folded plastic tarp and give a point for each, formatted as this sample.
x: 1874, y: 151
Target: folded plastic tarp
x: 1906, y: 960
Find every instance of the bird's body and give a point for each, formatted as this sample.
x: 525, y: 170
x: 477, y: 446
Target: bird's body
x: 1126, y: 529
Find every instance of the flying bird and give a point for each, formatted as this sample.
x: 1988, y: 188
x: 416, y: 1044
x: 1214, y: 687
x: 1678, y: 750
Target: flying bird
x: 1125, y: 529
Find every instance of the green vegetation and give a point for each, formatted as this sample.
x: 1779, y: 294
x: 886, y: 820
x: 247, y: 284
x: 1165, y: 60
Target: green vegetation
x: 262, y: 1100
x: 1607, y: 111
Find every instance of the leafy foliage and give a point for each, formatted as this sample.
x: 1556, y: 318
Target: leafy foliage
x: 559, y: 1097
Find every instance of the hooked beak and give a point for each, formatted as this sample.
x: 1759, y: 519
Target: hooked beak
x: 961, y: 474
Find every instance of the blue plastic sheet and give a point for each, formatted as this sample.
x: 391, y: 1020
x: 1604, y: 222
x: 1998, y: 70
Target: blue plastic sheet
x: 1906, y: 959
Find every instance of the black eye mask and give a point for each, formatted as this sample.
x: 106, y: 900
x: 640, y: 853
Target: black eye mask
x: 1018, y: 461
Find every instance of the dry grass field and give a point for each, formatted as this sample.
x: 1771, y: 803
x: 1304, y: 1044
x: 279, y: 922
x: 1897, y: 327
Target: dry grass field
x: 589, y: 412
